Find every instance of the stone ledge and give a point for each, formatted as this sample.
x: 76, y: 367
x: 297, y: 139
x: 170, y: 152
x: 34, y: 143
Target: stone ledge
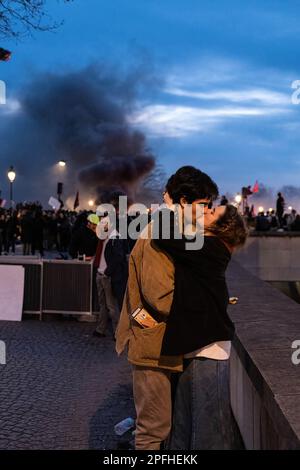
x: 267, y: 322
x: 254, y: 233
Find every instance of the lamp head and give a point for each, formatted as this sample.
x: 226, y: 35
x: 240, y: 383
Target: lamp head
x: 11, y: 174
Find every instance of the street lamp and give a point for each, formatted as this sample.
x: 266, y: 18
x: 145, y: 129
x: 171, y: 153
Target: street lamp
x: 62, y: 163
x: 11, y: 176
x: 290, y: 208
x: 91, y: 203
x: 261, y: 209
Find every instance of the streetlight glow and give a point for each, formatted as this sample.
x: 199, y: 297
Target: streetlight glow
x: 11, y: 174
x: 261, y: 209
x: 62, y: 163
x: 238, y: 198
x: 290, y: 208
x: 91, y: 203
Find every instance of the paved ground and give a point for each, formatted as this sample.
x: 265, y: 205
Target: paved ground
x: 61, y: 388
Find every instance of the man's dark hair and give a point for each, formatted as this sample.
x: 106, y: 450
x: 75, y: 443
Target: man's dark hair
x: 192, y: 184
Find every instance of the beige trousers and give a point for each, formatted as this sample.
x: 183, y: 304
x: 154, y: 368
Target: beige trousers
x: 152, y: 398
x: 108, y: 304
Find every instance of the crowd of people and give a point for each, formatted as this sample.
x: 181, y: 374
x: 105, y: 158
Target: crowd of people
x: 37, y: 230
x: 157, y: 280
x: 276, y: 220
x: 270, y: 221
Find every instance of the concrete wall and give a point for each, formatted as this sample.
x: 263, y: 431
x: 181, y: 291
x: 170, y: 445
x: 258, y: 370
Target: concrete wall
x: 264, y: 382
x: 272, y: 257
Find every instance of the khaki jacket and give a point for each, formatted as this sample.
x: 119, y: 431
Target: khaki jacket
x: 151, y: 272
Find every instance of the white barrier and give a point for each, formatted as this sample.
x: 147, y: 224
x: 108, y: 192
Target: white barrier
x: 11, y: 292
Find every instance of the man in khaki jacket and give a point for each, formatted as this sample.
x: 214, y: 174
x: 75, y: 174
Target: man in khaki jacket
x: 151, y: 284
x: 154, y: 271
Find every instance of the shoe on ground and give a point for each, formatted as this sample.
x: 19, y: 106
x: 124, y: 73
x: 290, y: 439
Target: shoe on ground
x: 99, y: 335
x: 87, y: 318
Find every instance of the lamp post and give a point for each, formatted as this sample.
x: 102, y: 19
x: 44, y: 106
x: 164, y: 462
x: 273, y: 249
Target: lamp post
x: 11, y: 174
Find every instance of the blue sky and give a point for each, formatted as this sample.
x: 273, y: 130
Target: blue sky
x: 222, y: 101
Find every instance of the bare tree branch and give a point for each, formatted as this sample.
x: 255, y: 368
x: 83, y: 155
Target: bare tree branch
x: 19, y: 18
x: 153, y: 186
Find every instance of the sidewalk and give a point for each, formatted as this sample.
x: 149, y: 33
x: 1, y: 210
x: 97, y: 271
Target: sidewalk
x: 61, y: 388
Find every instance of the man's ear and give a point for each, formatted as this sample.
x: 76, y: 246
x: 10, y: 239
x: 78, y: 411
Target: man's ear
x: 183, y: 202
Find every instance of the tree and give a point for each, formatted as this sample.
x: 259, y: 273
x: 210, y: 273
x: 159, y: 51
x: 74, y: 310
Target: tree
x: 19, y: 18
x: 153, y: 186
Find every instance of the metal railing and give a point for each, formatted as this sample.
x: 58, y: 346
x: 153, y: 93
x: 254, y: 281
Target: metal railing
x: 55, y: 286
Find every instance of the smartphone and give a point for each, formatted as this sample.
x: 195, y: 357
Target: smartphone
x: 143, y: 318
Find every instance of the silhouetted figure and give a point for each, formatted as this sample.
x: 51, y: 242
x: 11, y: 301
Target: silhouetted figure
x: 295, y: 227
x: 63, y: 232
x: 38, y: 234
x: 274, y: 221
x: 26, y: 231
x: 84, y: 240
x: 11, y: 232
x: 2, y: 231
x: 280, y: 208
x: 224, y: 201
x: 262, y: 223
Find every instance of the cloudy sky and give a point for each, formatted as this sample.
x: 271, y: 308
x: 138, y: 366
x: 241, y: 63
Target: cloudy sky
x: 221, y: 94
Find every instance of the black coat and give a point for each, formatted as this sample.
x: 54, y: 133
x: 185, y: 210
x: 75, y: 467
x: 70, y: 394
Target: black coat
x: 115, y: 254
x: 198, y: 315
x: 27, y: 229
x: 84, y: 242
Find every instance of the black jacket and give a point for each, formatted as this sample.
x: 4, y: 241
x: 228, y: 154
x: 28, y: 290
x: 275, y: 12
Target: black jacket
x: 198, y: 313
x: 84, y: 242
x: 115, y: 254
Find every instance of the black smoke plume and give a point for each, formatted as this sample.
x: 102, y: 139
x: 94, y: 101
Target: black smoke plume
x: 79, y: 117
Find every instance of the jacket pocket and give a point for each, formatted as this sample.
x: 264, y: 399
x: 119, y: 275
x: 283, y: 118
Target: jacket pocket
x: 145, y: 343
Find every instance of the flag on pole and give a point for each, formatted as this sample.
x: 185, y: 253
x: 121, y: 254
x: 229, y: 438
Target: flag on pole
x: 76, y: 202
x: 255, y: 188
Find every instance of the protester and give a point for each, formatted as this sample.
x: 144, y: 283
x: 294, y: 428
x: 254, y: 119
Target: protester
x: 37, y: 233
x: 63, y: 232
x: 84, y: 240
x: 2, y: 232
x: 52, y: 231
x: 291, y: 218
x: 26, y: 226
x: 295, y: 226
x: 274, y: 223
x: 11, y: 232
x: 280, y: 204
x: 224, y: 201
x: 111, y: 276
x: 262, y: 223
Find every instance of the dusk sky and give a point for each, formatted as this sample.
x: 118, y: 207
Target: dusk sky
x: 222, y: 74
